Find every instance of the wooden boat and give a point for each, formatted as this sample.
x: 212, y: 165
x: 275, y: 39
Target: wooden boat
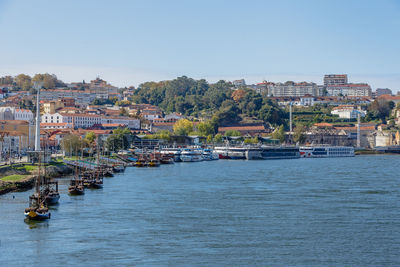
x: 76, y: 187
x: 167, y: 159
x: 37, y: 209
x: 141, y: 163
x: 118, y: 168
x: 154, y: 163
x: 50, y: 193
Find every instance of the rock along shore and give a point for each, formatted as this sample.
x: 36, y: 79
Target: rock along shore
x: 52, y: 171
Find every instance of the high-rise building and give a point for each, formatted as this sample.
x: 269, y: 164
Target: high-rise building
x: 335, y: 79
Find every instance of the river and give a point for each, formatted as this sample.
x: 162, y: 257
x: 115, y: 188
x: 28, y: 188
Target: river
x: 310, y: 212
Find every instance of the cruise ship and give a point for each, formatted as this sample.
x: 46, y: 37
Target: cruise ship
x: 280, y: 152
x: 263, y: 152
x: 326, y: 151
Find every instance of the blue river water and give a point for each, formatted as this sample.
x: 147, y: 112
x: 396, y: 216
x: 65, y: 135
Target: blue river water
x: 306, y: 212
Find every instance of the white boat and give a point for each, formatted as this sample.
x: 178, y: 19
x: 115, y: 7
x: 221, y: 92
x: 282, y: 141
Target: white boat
x: 209, y: 154
x: 176, y: 152
x: 326, y: 151
x: 191, y: 155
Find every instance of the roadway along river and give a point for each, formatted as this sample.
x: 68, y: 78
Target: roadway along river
x: 342, y: 211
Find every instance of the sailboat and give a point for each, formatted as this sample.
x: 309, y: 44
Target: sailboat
x: 37, y: 209
x: 50, y: 192
x: 76, y: 185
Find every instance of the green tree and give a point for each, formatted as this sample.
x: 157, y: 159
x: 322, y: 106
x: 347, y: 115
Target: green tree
x: 118, y: 140
x: 49, y: 80
x: 279, y: 134
x: 72, y: 144
x: 23, y: 81
x: 6, y: 80
x: 253, y: 140
x: 123, y: 112
x: 228, y: 114
x: 163, y: 134
x: 299, y: 134
x: 380, y: 109
x: 205, y: 128
x: 232, y: 133
x: 218, y: 138
x: 183, y: 127
x: 90, y: 138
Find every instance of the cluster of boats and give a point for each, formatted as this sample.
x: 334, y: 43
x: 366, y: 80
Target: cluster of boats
x: 46, y: 190
x: 90, y: 175
x: 257, y: 152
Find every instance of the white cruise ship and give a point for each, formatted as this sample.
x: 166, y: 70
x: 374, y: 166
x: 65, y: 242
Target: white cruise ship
x: 326, y: 151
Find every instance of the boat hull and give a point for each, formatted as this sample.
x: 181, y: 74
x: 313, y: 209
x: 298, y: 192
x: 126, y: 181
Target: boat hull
x: 76, y: 192
x: 52, y: 200
x: 35, y: 216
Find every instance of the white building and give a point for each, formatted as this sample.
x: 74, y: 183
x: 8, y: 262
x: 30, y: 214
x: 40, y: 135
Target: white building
x: 131, y: 123
x: 306, y: 101
x: 347, y: 112
x: 350, y: 89
x: 292, y: 89
x: 68, y: 120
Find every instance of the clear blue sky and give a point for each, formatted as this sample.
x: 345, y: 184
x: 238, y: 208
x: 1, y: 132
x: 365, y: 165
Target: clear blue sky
x: 128, y: 42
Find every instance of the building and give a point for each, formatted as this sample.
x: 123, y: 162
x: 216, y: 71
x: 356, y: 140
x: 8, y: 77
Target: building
x: 13, y: 113
x: 347, y: 112
x: 395, y: 99
x: 382, y: 91
x: 239, y: 83
x: 249, y: 130
x: 129, y: 122
x: 61, y: 125
x: 292, y: 89
x: 335, y: 79
x: 151, y: 113
x: 52, y: 106
x: 80, y: 97
x: 68, y: 120
x: 307, y: 100
x: 350, y: 89
x: 18, y: 135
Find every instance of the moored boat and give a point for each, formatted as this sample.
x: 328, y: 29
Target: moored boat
x: 191, y: 155
x: 37, y: 209
x: 50, y: 193
x: 76, y: 187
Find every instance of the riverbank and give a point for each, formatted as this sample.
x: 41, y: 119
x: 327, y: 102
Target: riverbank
x: 22, y: 177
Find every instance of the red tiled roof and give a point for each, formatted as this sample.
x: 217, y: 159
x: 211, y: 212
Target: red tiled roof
x: 242, y: 128
x: 389, y: 97
x: 354, y: 128
x: 53, y: 124
x: 163, y: 123
x: 323, y: 124
x: 113, y: 124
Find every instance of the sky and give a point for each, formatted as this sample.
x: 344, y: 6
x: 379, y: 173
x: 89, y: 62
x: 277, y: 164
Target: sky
x: 130, y: 42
